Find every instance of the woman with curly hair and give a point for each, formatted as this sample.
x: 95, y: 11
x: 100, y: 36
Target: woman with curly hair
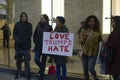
x: 90, y: 37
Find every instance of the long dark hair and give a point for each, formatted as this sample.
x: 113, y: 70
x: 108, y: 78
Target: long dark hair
x: 96, y: 27
x: 46, y: 17
x: 117, y: 22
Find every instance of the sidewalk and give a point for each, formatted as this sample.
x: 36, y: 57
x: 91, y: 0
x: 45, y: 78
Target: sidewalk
x: 7, y: 74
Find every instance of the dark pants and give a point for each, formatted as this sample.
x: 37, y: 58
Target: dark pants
x: 58, y: 73
x: 116, y: 77
x: 23, y: 56
x: 40, y: 60
x: 5, y: 42
x: 89, y: 65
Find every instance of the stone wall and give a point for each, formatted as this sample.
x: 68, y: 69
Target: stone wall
x: 78, y: 10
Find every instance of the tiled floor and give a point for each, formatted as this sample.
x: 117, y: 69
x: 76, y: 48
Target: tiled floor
x: 74, y: 66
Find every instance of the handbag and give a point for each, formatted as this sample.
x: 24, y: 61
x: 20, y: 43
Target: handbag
x: 52, y: 70
x: 106, y: 53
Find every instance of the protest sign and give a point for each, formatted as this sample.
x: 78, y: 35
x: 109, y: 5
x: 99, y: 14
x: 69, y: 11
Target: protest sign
x: 58, y: 43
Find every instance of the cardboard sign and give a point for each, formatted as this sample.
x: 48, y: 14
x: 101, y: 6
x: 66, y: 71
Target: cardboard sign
x: 58, y: 43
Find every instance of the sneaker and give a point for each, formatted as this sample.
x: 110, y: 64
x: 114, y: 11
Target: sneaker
x: 17, y: 76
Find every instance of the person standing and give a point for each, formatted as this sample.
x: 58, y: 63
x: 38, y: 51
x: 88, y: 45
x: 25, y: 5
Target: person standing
x: 50, y: 56
x: 81, y: 26
x: 113, y: 41
x: 22, y: 36
x: 6, y: 34
x: 90, y: 37
x: 40, y: 59
x: 60, y: 61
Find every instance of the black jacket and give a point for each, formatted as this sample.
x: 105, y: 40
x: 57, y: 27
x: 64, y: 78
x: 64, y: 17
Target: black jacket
x: 22, y: 35
x: 6, y: 31
x: 38, y: 35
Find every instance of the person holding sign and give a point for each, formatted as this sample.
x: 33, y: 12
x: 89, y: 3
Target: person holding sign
x: 40, y: 59
x: 90, y: 37
x: 61, y: 60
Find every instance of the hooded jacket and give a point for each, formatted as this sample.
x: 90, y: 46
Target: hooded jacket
x: 22, y: 34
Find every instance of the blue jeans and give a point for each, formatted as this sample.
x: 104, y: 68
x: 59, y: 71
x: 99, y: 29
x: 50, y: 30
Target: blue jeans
x: 41, y: 63
x: 89, y: 65
x: 58, y: 69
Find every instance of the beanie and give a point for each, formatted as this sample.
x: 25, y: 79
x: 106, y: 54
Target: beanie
x: 61, y: 19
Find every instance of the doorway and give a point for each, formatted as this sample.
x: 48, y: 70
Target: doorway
x: 52, y: 8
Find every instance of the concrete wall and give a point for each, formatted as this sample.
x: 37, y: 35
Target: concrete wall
x: 75, y: 11
x: 31, y: 7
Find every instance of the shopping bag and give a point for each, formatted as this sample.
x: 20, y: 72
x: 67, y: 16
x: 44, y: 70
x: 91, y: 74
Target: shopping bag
x: 103, y: 68
x: 52, y: 70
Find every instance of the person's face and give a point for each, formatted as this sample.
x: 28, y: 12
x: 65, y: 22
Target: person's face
x: 113, y: 23
x: 42, y: 19
x: 91, y: 22
x: 58, y: 23
x: 23, y: 17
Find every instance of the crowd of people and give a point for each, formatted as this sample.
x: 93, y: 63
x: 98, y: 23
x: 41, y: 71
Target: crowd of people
x: 22, y: 34
x: 89, y: 36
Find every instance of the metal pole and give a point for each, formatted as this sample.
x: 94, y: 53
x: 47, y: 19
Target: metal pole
x: 51, y: 12
x: 111, y: 30
x: 111, y: 17
x: 7, y: 14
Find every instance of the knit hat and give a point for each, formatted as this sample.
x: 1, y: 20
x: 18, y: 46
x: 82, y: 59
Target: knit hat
x: 61, y: 19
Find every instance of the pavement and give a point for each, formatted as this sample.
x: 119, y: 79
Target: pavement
x: 8, y: 74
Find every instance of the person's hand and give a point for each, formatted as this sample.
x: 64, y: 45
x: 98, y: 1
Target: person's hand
x: 104, y: 40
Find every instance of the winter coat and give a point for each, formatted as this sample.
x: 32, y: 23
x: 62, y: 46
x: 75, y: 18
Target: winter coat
x: 22, y: 35
x: 38, y: 35
x: 113, y: 66
x: 61, y: 59
x: 6, y: 31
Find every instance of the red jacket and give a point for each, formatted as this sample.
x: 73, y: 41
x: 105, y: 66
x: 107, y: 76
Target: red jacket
x: 113, y: 67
